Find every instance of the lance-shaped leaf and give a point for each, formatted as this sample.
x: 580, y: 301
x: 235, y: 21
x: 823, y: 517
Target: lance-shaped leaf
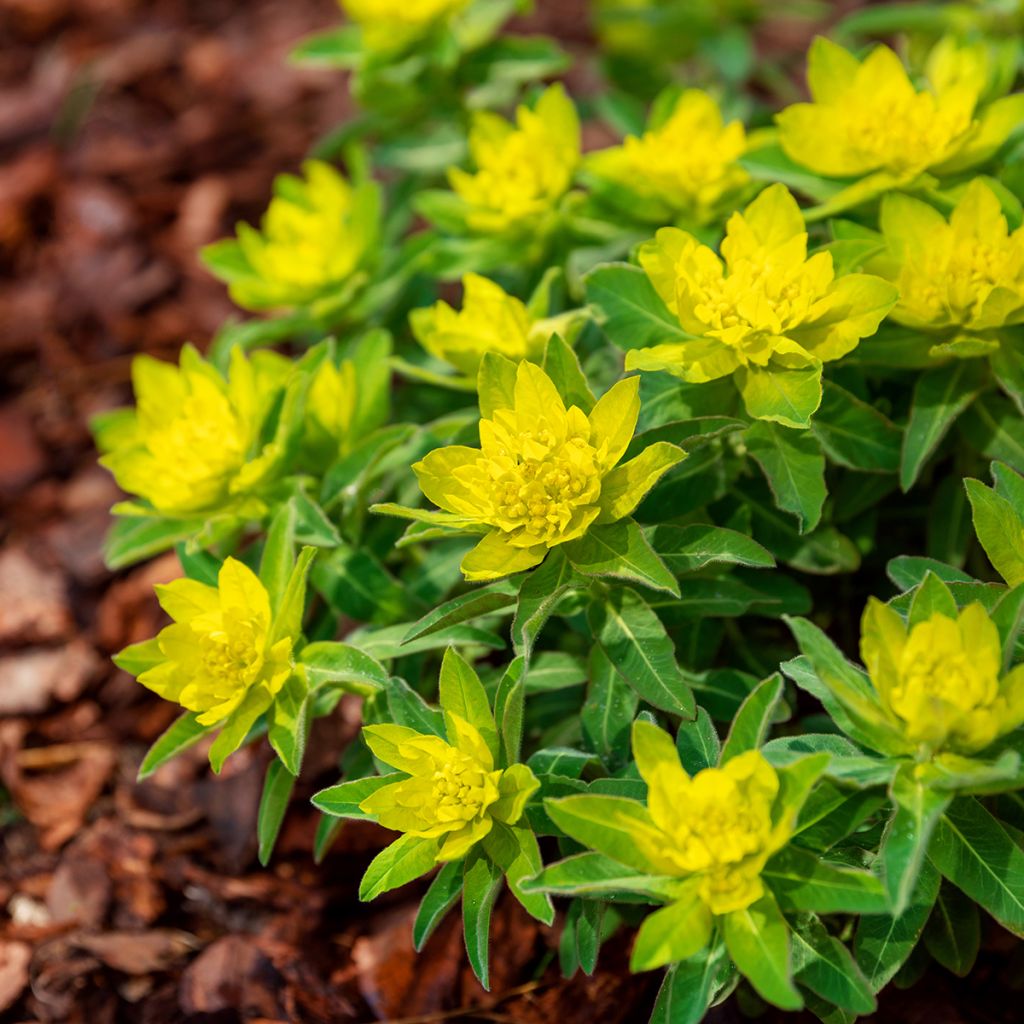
x: 754, y: 718
x: 640, y: 650
x: 1000, y: 529
x: 824, y: 965
x: 481, y: 884
x: 462, y: 694
x: 629, y: 482
x: 674, y: 932
x: 794, y: 467
x: 443, y: 894
x: 405, y: 859
x: 621, y: 551
x: 758, y: 941
x: 803, y: 881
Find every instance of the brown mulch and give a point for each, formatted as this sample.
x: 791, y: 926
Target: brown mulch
x: 131, y: 133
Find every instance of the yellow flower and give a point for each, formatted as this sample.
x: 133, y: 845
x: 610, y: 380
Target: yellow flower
x: 193, y: 445
x: 316, y: 237
x: 685, y: 167
x: 717, y: 825
x: 941, y: 679
x: 523, y: 170
x: 967, y: 274
x: 453, y: 792
x: 220, y: 651
x: 331, y: 408
x: 393, y: 24
x: 490, y: 320
x: 867, y: 116
x: 767, y: 312
x: 543, y: 473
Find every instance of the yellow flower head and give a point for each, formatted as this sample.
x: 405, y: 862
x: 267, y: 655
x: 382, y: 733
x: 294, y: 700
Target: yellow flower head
x: 490, y: 320
x: 453, y: 792
x: 524, y: 169
x: 966, y: 273
x: 331, y: 407
x: 193, y: 445
x: 940, y: 679
x: 315, y: 237
x: 541, y: 475
x: 765, y: 305
x: 867, y: 115
x: 393, y: 24
x: 219, y: 651
x: 686, y: 167
x: 717, y: 825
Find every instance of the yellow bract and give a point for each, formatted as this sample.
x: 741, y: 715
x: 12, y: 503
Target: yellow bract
x: 330, y: 412
x: 392, y: 24
x: 491, y: 320
x: 219, y: 652
x: 193, y: 446
x: 766, y: 303
x: 536, y: 480
x: 453, y: 792
x: 965, y: 273
x: 717, y: 825
x: 941, y: 678
x: 315, y: 236
x: 867, y: 115
x: 686, y: 166
x: 522, y: 169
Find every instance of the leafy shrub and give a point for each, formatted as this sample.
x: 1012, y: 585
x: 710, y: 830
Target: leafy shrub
x: 587, y: 609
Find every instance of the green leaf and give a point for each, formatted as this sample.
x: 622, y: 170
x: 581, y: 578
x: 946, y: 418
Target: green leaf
x: 443, y: 894
x: 343, y: 800
x: 794, y: 467
x: 335, y: 662
x: 801, y: 880
x: 494, y: 597
x: 855, y: 434
x: 462, y: 693
x: 594, y: 874
x: 407, y: 707
x: 538, y: 594
x: 690, y: 986
x: 496, y: 384
x: 236, y: 727
x: 674, y: 932
x: 405, y: 859
x: 509, y: 709
x: 789, y: 397
x: 288, y: 617
x: 758, y: 942
x: 953, y: 932
x: 278, y: 557
x: 516, y: 852
x: 608, y: 824
x: 277, y: 791
x: 620, y: 551
x: 908, y: 834
x: 182, y: 733
x: 562, y: 366
x: 633, y: 314
x: 637, y: 645
x: 288, y: 722
x: 1000, y: 530
x: 932, y: 597
x: 824, y: 965
x: 338, y: 48
x: 133, y: 539
x: 480, y: 887
x: 608, y: 712
x: 628, y: 483
x: 754, y: 718
x: 589, y: 933
x: 908, y: 571
x: 689, y: 548
x: 883, y: 942
x: 976, y: 853
x: 940, y: 395
x: 698, y: 744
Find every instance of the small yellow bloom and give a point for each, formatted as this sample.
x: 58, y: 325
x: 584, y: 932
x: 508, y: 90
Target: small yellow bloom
x: 194, y: 443
x: 316, y: 237
x: 490, y: 320
x: 867, y: 116
x: 219, y: 651
x: 389, y: 25
x: 966, y: 274
x: 717, y: 825
x: 523, y: 170
x: 765, y: 308
x: 941, y: 678
x: 542, y: 475
x: 453, y: 792
x: 686, y: 168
